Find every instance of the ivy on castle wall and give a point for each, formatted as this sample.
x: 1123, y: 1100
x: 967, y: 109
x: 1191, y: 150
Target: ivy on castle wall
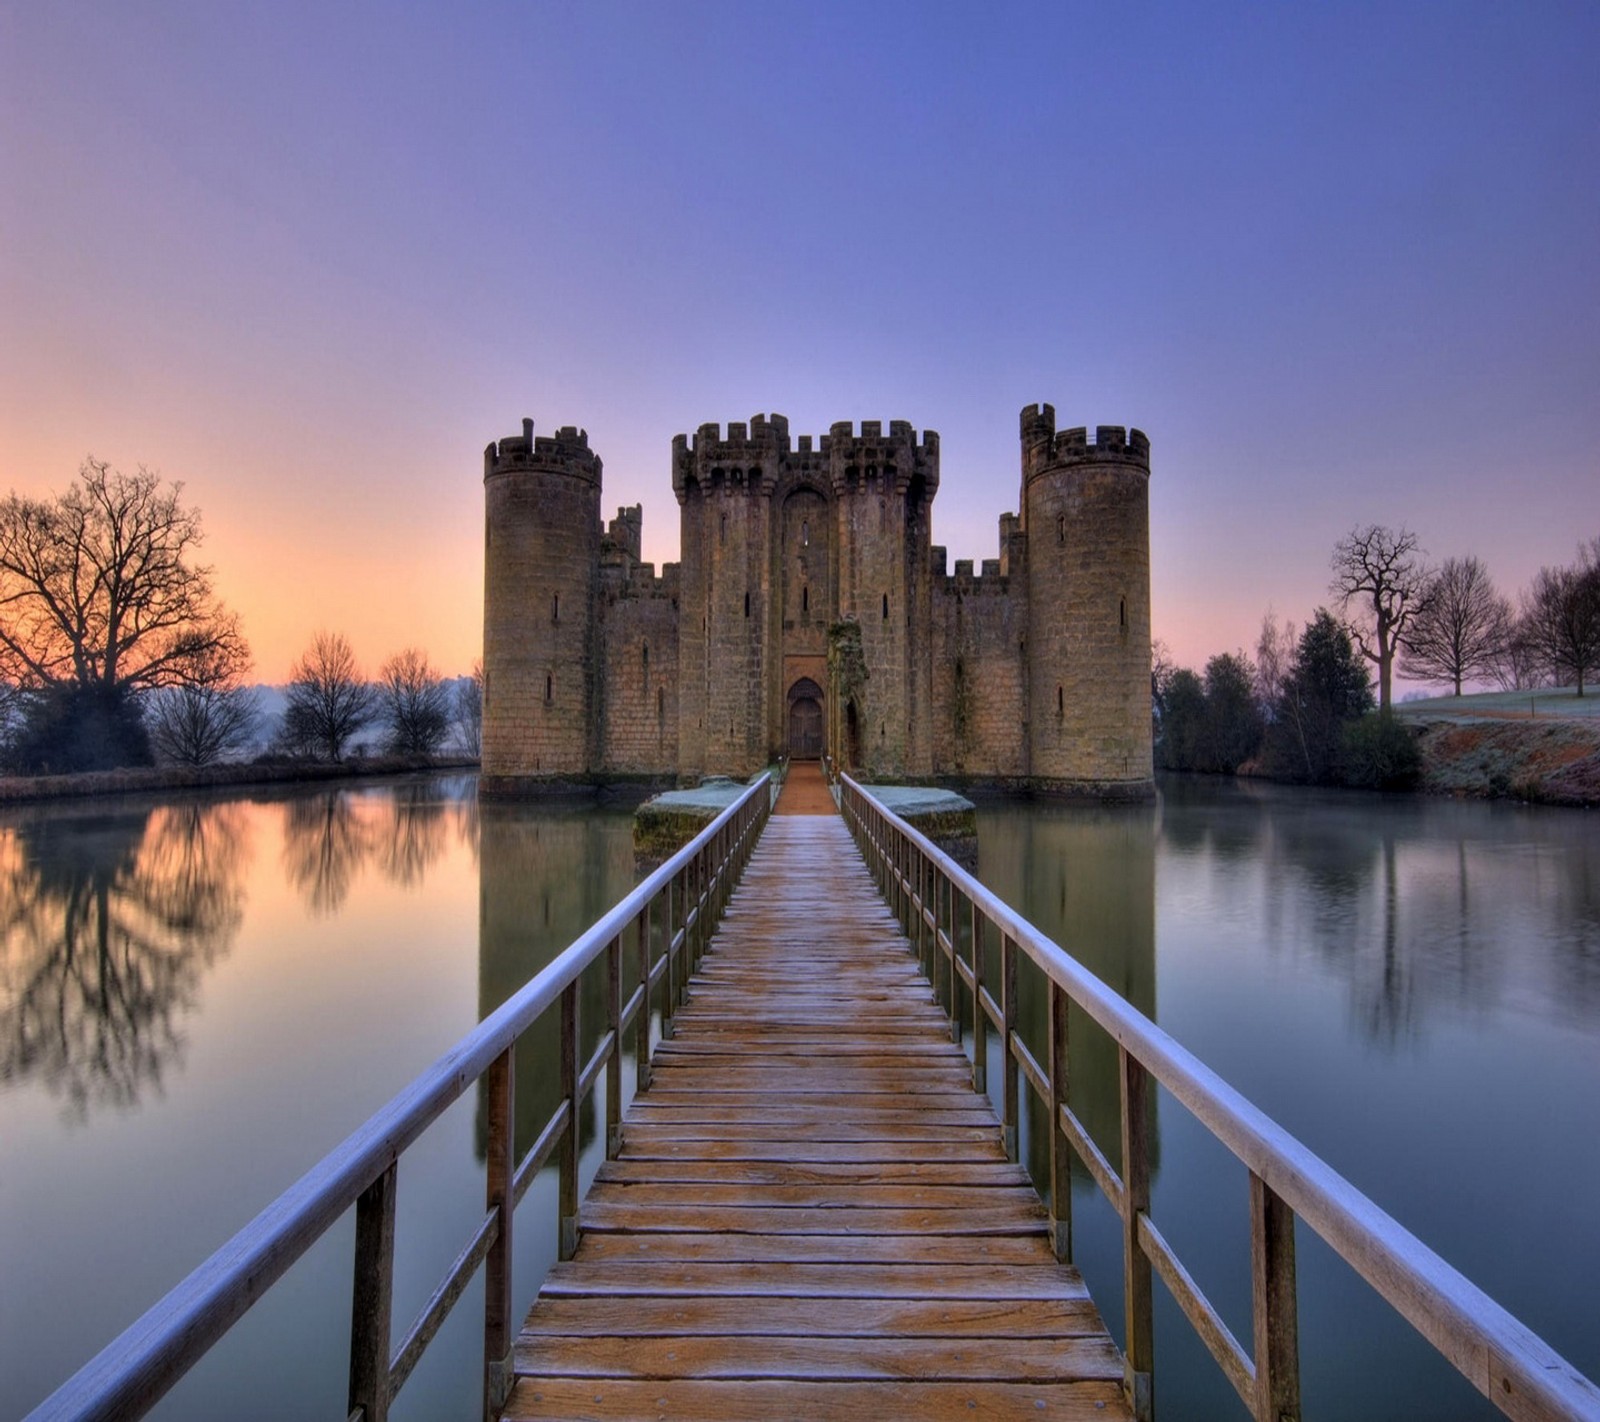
x: 847, y: 666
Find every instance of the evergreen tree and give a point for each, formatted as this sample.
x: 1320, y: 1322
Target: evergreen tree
x: 1326, y: 688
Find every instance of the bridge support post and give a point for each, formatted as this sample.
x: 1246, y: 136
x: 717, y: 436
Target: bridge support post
x: 1060, y: 1150
x: 372, y: 1298
x: 1272, y: 1289
x: 568, y: 1243
x: 980, y: 1018
x: 1139, y: 1335
x: 1011, y: 1108
x: 614, y: 1065
x: 500, y: 1168
x: 641, y: 1026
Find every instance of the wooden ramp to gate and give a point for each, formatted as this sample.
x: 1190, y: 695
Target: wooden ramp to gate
x: 812, y: 1215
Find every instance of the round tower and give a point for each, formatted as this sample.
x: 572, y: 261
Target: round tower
x: 540, y: 567
x: 1086, y: 515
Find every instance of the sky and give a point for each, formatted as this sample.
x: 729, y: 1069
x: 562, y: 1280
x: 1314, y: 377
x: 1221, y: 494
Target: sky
x: 1340, y: 262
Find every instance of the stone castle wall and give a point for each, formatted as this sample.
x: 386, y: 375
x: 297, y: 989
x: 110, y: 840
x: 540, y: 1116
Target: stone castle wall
x: 638, y: 706
x: 980, y: 708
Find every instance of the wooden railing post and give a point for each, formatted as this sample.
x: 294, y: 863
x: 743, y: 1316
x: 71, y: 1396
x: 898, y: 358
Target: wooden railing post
x: 980, y: 1018
x: 614, y: 1065
x: 641, y: 1025
x: 924, y: 879
x: 1010, y: 1107
x: 568, y: 1207
x: 955, y: 959
x: 500, y: 1169
x: 1272, y: 1290
x: 1060, y: 1149
x: 674, y: 899
x: 1139, y: 1345
x: 372, y: 1298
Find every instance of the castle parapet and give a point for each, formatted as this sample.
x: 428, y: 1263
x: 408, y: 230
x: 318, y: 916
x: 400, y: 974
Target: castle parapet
x: 565, y: 452
x: 749, y: 454
x: 898, y: 456
x: 1044, y: 450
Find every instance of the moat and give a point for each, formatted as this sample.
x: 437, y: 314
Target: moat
x: 199, y: 995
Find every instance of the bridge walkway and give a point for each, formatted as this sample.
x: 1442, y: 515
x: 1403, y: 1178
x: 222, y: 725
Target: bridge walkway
x: 812, y: 1214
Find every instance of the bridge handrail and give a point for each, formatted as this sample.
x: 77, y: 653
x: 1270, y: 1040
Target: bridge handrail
x: 136, y: 1369
x: 1510, y: 1364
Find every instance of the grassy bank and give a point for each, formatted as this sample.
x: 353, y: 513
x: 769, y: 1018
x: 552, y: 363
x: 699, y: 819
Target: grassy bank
x: 1541, y: 745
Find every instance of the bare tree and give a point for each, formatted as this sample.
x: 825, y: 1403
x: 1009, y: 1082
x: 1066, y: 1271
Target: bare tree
x: 329, y: 700
x: 1461, y: 626
x: 97, y: 587
x: 1274, y: 655
x: 1518, y: 665
x: 1563, y: 616
x: 1381, y: 571
x: 100, y: 601
x: 469, y: 711
x: 204, y: 721
x: 414, y: 704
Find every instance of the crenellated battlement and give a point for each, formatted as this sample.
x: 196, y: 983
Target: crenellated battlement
x: 755, y: 455
x: 859, y: 459
x: 565, y: 452
x: 993, y: 576
x: 1044, y: 450
x: 748, y: 455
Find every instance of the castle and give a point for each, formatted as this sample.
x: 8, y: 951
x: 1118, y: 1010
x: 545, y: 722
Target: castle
x: 811, y: 614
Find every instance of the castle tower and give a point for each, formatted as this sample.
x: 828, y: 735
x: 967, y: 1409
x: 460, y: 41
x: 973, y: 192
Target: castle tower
x: 1086, y: 515
x: 725, y: 632
x: 541, y: 566
x: 883, y: 487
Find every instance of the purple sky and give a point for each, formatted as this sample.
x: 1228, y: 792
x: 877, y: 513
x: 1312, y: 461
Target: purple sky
x: 1341, y: 263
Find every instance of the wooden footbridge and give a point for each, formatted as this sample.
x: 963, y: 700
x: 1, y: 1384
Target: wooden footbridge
x: 811, y: 1213
x: 808, y: 1210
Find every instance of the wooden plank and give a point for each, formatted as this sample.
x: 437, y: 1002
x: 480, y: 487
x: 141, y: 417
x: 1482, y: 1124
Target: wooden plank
x: 649, y: 1316
x: 644, y: 1147
x: 987, y: 1250
x: 602, y: 1399
x: 794, y: 1172
x: 823, y: 1195
x: 804, y: 1116
x: 808, y: 1357
x: 604, y: 1212
x: 834, y: 1281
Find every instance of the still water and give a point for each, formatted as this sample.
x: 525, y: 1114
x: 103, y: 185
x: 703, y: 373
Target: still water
x: 1411, y: 986
x: 200, y: 996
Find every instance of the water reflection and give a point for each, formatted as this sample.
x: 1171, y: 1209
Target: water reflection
x: 1085, y: 876
x: 111, y: 918
x: 543, y: 880
x: 1421, y: 907
x: 330, y: 836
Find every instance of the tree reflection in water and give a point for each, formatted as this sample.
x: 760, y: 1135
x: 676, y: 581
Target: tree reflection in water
x: 110, y: 920
x: 326, y: 840
x: 330, y: 836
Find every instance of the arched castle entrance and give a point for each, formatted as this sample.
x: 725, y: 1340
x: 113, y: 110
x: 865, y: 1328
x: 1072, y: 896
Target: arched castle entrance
x: 805, y: 720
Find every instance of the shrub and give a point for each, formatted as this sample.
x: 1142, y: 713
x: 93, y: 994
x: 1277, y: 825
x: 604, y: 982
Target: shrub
x: 1379, y: 752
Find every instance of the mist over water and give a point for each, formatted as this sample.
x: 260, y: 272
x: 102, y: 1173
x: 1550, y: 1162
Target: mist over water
x: 201, y: 995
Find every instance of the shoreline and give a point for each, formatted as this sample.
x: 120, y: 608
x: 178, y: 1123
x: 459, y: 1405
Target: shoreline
x: 138, y: 780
